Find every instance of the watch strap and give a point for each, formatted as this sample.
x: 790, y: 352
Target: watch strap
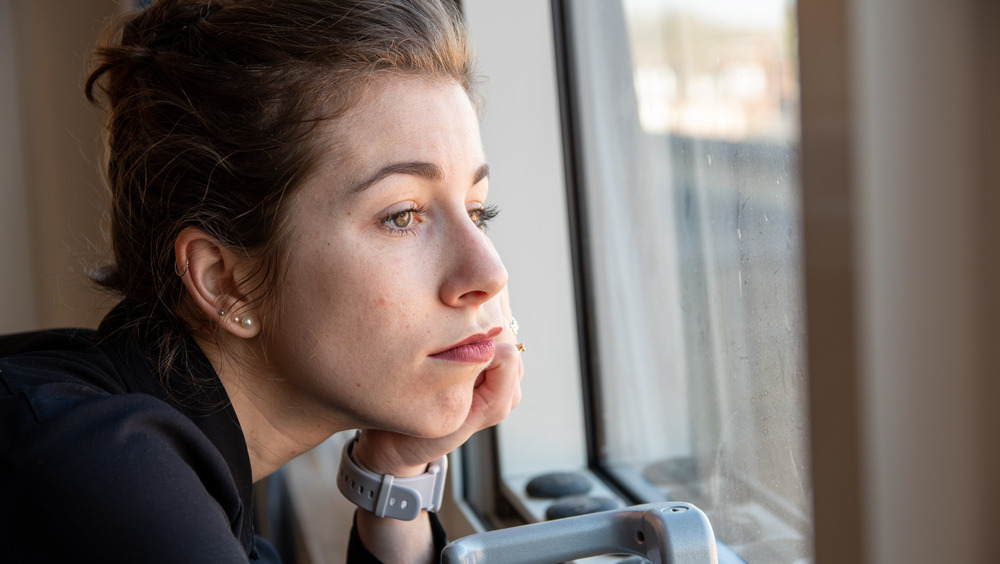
x: 384, y: 495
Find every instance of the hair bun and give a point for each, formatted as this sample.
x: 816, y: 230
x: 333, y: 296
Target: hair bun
x: 164, y: 22
x: 137, y: 40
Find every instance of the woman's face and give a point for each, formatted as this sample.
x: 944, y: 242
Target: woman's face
x: 389, y: 268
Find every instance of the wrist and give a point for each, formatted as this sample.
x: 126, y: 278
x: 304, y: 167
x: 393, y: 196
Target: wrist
x: 378, y: 461
x: 386, y: 495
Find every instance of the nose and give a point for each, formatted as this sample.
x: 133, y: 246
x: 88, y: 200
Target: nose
x: 474, y: 273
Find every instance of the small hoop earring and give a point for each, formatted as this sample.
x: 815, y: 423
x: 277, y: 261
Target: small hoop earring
x: 185, y: 269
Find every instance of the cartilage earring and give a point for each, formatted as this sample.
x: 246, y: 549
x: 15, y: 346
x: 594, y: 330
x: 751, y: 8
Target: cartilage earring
x: 222, y: 312
x: 185, y: 269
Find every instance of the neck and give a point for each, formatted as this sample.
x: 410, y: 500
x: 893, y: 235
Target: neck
x: 275, y: 426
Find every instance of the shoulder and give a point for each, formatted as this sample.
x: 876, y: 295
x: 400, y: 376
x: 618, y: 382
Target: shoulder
x: 65, y: 356
x: 45, y: 374
x: 116, y: 476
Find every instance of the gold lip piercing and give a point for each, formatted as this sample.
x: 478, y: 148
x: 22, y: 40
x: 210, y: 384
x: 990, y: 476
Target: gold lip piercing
x: 185, y: 269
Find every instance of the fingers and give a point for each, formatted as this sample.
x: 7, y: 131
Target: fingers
x: 505, y: 307
x: 504, y: 298
x: 499, y: 310
x: 509, y: 335
x: 492, y: 400
x: 500, y: 390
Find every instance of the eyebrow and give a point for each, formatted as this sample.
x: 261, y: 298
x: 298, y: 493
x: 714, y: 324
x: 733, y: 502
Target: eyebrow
x: 426, y: 170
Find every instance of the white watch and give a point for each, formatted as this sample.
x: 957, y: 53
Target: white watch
x: 388, y: 496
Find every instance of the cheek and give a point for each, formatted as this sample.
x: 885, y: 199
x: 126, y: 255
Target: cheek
x: 334, y: 283
x: 455, y: 404
x: 394, y: 296
x: 383, y: 316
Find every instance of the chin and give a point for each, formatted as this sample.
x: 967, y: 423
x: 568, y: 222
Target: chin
x: 449, y: 415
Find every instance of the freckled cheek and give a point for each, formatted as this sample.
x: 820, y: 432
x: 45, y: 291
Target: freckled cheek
x: 395, y: 295
x: 389, y: 311
x: 453, y: 407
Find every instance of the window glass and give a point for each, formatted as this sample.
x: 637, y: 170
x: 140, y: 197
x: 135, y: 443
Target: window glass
x: 687, y: 132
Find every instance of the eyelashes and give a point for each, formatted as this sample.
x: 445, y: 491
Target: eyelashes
x: 482, y: 216
x: 405, y: 222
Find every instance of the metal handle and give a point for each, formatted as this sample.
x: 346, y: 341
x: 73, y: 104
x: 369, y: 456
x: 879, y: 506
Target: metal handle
x: 664, y: 533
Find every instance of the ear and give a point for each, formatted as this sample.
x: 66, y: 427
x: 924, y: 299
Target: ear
x: 212, y: 275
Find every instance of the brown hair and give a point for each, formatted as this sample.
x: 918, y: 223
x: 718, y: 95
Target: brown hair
x: 212, y: 114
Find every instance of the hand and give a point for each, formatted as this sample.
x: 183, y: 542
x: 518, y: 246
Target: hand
x: 497, y: 392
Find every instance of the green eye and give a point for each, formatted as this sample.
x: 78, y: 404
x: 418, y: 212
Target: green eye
x: 402, y: 220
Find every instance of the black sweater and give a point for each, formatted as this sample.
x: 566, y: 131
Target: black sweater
x: 99, y: 463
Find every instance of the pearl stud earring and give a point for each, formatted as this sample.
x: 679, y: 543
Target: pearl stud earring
x: 244, y: 322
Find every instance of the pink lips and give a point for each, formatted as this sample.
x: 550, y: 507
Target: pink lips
x: 476, y: 349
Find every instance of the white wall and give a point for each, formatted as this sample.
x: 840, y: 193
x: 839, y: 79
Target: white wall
x: 523, y: 143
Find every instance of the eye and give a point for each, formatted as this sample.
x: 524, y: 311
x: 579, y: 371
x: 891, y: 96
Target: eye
x: 482, y: 216
x: 402, y: 222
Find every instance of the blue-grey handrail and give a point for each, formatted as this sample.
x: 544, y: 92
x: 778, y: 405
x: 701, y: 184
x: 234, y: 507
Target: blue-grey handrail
x: 664, y: 533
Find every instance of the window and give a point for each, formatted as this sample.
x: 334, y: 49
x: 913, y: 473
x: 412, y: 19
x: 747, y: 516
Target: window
x: 687, y: 210
x: 681, y: 136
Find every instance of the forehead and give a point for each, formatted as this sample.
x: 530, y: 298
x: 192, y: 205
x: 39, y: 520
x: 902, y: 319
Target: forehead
x: 403, y: 119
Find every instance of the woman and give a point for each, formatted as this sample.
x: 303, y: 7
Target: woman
x: 299, y: 203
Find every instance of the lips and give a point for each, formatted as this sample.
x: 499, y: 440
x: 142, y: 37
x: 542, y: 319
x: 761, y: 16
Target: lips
x: 478, y: 348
